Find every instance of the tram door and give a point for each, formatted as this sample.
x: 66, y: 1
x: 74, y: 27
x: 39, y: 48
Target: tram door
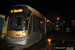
x: 1, y: 26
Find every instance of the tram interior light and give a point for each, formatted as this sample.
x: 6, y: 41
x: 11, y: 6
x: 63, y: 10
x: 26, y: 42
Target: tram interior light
x: 41, y: 22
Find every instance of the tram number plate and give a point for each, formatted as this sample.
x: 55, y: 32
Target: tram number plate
x: 18, y: 35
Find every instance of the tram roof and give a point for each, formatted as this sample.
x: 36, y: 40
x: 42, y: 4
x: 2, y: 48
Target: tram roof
x: 1, y: 15
x: 32, y: 9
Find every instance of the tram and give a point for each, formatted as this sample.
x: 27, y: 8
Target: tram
x: 3, y: 26
x: 49, y: 26
x: 26, y: 25
x: 57, y: 26
x: 68, y: 26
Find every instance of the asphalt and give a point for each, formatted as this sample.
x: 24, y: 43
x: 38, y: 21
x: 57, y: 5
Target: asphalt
x: 58, y: 40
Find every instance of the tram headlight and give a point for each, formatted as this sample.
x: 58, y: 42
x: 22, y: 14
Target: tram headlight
x: 24, y: 34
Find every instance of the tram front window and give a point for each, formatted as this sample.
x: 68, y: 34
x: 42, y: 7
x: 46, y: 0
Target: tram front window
x: 17, y: 23
x: 57, y: 25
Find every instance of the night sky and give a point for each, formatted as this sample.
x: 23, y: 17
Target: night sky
x: 45, y: 7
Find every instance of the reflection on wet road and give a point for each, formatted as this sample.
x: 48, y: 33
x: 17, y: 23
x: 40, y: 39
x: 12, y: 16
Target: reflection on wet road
x: 43, y: 45
x: 67, y: 45
x: 51, y: 41
x: 62, y: 40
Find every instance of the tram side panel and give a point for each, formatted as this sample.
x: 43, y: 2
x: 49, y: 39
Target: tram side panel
x: 37, y: 32
x: 31, y: 32
x: 3, y: 26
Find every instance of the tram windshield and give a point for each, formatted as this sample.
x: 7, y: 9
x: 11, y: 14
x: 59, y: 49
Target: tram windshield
x: 17, y: 23
x: 57, y: 25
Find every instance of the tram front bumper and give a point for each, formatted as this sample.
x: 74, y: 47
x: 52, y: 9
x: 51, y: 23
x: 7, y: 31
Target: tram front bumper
x: 18, y: 41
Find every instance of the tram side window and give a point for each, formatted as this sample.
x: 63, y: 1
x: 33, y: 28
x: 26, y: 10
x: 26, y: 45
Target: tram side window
x: 27, y: 20
x: 30, y: 25
x: 33, y: 22
x: 36, y: 23
x: 26, y: 23
x: 41, y: 24
x: 47, y: 25
x: 4, y: 22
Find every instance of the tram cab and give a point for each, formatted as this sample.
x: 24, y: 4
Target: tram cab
x: 68, y: 26
x: 57, y: 26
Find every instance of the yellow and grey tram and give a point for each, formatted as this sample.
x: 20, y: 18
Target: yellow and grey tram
x: 25, y: 25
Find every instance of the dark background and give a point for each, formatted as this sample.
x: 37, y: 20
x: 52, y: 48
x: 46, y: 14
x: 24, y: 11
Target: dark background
x: 49, y: 8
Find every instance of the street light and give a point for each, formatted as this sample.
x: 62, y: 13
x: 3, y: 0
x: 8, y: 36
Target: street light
x: 57, y: 18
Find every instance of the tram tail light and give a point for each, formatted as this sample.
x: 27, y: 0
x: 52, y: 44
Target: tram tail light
x: 63, y: 41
